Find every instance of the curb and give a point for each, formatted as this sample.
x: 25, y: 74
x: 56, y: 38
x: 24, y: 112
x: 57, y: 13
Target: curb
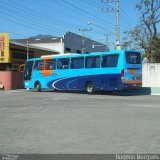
x: 146, y: 91
x: 155, y: 90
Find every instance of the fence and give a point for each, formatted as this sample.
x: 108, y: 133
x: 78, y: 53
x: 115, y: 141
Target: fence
x: 11, y: 80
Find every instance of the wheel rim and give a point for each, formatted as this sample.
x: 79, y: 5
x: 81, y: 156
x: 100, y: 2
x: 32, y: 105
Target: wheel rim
x: 90, y: 88
x: 38, y: 87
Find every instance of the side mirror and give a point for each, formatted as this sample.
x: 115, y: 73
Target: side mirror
x: 21, y: 68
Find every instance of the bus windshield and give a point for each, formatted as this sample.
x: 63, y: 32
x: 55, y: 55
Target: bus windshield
x: 28, y: 70
x: 133, y: 57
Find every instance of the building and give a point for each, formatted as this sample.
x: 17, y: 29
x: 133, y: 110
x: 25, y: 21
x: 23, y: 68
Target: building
x: 68, y: 43
x: 12, y: 53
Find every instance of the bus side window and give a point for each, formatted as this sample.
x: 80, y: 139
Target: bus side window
x: 109, y: 61
x: 77, y: 63
x: 63, y: 63
x: 37, y: 65
x: 42, y: 65
x: 50, y: 64
x: 93, y: 62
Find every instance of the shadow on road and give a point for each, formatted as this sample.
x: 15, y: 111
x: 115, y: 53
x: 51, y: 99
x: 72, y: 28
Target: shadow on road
x: 136, y: 92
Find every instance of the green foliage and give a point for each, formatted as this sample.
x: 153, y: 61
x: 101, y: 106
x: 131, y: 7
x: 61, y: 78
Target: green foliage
x: 156, y: 51
x: 145, y: 34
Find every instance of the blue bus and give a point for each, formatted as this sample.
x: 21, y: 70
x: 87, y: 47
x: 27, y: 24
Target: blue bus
x: 100, y: 71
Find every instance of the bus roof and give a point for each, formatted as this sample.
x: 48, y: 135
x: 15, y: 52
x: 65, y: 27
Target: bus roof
x: 66, y: 55
x: 79, y: 55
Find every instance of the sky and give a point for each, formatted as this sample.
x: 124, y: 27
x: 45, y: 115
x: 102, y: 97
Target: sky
x: 26, y: 18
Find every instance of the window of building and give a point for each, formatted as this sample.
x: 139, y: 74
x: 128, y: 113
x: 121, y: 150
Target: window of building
x: 1, y: 43
x: 2, y: 53
x: 21, y: 54
x: 63, y: 63
x: 109, y: 61
x: 78, y: 51
x: 77, y: 63
x: 93, y: 62
x: 31, y: 55
x: 1, y: 59
x: 68, y: 49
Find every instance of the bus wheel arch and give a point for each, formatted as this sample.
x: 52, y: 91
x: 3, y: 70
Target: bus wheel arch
x: 37, y: 86
x: 89, y: 87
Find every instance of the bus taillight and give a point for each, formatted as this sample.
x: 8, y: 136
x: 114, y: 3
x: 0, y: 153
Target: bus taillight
x: 122, y: 75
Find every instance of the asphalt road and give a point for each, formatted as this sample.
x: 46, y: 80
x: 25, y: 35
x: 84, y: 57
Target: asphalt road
x: 50, y: 122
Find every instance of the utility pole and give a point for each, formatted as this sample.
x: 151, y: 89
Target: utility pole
x: 107, y: 45
x: 27, y: 50
x: 117, y: 21
x: 83, y: 30
x: 107, y: 34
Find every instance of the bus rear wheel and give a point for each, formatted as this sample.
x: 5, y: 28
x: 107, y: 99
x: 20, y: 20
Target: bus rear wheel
x: 37, y: 87
x: 90, y: 89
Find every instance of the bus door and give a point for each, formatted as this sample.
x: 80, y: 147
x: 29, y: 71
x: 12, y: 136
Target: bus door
x: 132, y: 73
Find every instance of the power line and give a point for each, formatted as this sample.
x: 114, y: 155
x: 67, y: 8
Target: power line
x: 24, y: 16
x: 62, y: 5
x: 117, y: 21
x: 36, y: 15
x: 88, y: 13
x: 33, y: 14
x: 32, y: 18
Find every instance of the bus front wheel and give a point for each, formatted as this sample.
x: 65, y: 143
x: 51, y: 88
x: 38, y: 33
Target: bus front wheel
x: 90, y: 88
x: 37, y: 87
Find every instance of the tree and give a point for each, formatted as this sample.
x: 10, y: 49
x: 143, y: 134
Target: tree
x: 156, y: 50
x: 145, y: 34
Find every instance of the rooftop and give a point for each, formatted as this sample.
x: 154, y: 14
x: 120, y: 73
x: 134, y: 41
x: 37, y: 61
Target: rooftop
x: 32, y: 46
x: 36, y: 40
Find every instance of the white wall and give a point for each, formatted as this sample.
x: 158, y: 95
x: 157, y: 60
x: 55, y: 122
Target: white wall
x: 59, y: 46
x: 151, y: 74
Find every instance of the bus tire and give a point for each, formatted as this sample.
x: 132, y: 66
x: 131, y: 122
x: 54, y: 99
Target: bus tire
x: 37, y: 87
x: 89, y: 88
